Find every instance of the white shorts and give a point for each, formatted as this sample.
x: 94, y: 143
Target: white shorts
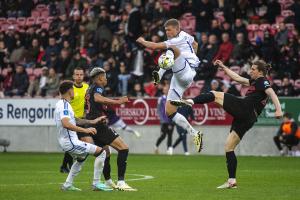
x: 80, y: 149
x: 183, y: 76
x: 118, y: 125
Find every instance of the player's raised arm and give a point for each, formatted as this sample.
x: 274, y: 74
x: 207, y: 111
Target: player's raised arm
x: 68, y: 125
x: 104, y: 100
x: 270, y: 92
x: 232, y: 74
x: 151, y: 45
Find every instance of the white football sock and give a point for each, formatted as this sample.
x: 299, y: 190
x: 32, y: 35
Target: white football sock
x: 180, y: 120
x: 98, y: 167
x: 75, y: 169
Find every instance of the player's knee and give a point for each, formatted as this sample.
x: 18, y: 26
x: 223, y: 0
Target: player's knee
x: 82, y: 159
x: 171, y: 115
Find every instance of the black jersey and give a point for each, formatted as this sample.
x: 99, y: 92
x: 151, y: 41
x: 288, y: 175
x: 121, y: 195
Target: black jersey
x: 256, y: 94
x: 93, y: 109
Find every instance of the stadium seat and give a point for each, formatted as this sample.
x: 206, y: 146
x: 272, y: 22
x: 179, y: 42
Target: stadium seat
x: 30, y: 21
x: 41, y: 7
x: 2, y: 20
x: 11, y: 20
x: 277, y: 82
x: 297, y: 84
x: 35, y: 13
x: 45, y: 13
x: 287, y: 13
x: 41, y: 20
x: 21, y: 21
x: 252, y: 27
x: 50, y: 19
x: 264, y: 27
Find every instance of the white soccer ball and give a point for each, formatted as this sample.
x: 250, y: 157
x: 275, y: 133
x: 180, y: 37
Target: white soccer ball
x: 165, y: 61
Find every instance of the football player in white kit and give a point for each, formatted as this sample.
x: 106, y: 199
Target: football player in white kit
x: 69, y: 142
x: 182, y: 47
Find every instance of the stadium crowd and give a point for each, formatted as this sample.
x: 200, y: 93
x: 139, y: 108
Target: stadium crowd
x: 42, y: 41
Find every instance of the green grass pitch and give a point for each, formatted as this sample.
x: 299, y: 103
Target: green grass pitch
x: 35, y: 176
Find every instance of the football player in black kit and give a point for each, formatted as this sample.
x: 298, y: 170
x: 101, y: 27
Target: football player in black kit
x: 244, y: 110
x: 95, y: 104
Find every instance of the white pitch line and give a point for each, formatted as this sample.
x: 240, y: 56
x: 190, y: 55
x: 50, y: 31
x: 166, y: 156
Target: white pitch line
x: 143, y: 177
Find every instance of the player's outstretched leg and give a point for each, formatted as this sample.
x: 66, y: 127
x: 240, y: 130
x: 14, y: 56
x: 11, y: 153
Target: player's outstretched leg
x: 107, y: 169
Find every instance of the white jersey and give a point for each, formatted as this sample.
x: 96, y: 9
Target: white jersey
x: 183, y: 41
x: 66, y: 138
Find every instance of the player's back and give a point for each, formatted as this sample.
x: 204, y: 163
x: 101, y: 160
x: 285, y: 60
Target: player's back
x: 183, y: 41
x: 92, y: 108
x: 65, y: 137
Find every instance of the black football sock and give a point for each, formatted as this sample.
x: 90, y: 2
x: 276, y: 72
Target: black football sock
x: 122, y: 163
x: 231, y: 163
x: 106, y: 168
x: 204, y: 98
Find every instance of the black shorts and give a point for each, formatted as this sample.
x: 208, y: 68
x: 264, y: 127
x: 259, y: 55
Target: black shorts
x: 105, y: 135
x: 242, y: 111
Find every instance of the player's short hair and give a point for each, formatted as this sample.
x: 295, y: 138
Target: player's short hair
x: 96, y: 72
x: 288, y: 115
x: 262, y: 66
x: 172, y: 22
x: 78, y: 68
x: 65, y: 86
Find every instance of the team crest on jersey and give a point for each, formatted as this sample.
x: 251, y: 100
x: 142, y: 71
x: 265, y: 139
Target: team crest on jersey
x: 266, y: 83
x: 99, y: 90
x: 66, y: 112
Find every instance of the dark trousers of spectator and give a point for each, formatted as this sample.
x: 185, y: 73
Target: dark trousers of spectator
x: 182, y: 137
x: 288, y: 140
x: 17, y: 93
x: 166, y: 130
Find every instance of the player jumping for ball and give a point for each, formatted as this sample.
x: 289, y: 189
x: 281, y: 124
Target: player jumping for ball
x: 182, y: 47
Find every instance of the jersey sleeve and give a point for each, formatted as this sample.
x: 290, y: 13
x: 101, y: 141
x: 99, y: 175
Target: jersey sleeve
x: 99, y: 90
x: 168, y: 43
x: 262, y: 84
x: 64, y: 112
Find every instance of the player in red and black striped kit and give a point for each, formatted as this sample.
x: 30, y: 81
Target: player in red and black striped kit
x: 244, y: 110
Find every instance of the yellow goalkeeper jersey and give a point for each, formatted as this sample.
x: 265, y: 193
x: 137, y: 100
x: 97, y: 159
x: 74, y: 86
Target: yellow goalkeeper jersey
x: 78, y: 102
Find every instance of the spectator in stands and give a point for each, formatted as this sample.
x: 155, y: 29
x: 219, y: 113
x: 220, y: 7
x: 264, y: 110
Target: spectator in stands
x: 215, y: 29
x: 3, y: 54
x: 52, y: 83
x: 273, y: 10
x: 36, y: 86
x: 286, y: 88
x: 123, y: 80
x: 281, y: 38
x: 215, y: 85
x: 241, y: 50
x: 65, y: 60
x: 239, y: 27
x: 203, y: 10
x: 295, y: 7
x: 7, y: 80
x: 20, y: 82
x: 134, y: 26
x: 76, y: 61
x: 288, y: 133
x: 137, y: 90
x: 225, y: 49
x: 52, y: 47
x: 111, y: 88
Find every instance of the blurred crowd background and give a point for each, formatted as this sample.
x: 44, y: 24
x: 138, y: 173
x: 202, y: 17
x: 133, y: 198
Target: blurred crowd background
x: 43, y: 41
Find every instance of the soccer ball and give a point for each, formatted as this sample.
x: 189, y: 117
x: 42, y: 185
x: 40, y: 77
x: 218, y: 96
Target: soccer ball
x: 165, y: 61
